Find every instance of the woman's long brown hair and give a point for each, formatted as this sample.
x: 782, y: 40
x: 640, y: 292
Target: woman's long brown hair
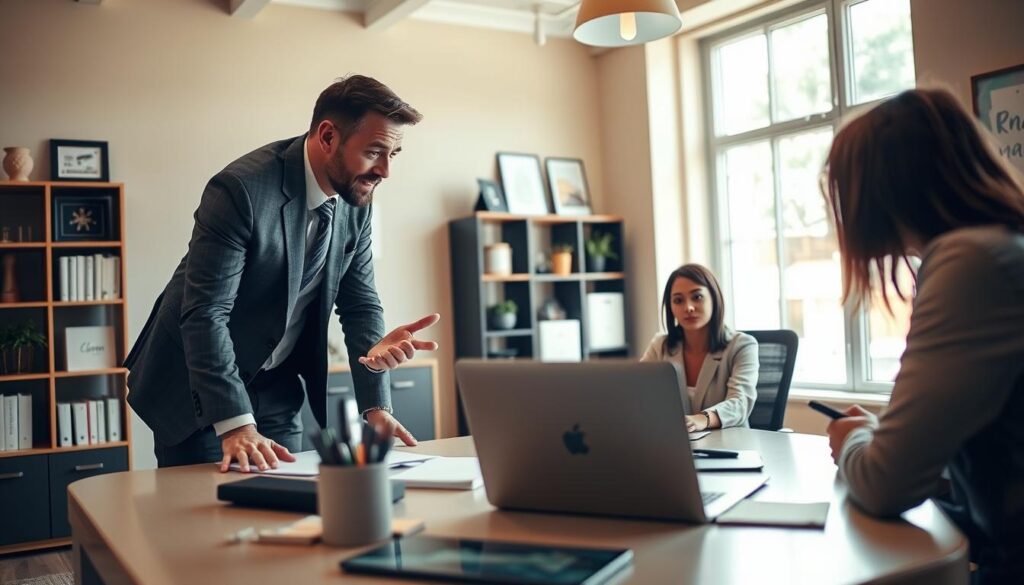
x: 917, y: 165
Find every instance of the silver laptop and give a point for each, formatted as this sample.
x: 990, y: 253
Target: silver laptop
x: 603, y: 438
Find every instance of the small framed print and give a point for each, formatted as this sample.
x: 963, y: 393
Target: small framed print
x: 82, y: 218
x: 998, y: 98
x: 568, y: 184
x: 90, y: 348
x: 491, y: 198
x: 79, y: 160
x: 523, y: 184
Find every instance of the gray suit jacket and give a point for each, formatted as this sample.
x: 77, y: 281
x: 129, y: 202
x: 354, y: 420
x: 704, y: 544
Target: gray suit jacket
x: 727, y: 382
x: 226, y: 306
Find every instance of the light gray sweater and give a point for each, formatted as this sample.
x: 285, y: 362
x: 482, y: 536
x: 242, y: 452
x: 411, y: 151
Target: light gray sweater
x: 958, y: 400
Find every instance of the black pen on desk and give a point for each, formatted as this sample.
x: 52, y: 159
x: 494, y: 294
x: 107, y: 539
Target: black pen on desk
x: 715, y: 454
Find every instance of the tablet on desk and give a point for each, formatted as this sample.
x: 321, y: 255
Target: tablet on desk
x: 477, y: 561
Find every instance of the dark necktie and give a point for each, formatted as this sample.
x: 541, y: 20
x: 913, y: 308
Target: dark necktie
x: 318, y: 249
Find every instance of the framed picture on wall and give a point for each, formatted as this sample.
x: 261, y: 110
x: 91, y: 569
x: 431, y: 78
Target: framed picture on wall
x: 568, y: 183
x: 998, y: 98
x: 522, y: 182
x: 78, y: 160
x: 82, y: 218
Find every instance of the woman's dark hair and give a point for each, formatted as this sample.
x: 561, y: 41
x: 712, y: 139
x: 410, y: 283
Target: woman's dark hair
x: 347, y: 101
x: 916, y: 165
x: 716, y: 326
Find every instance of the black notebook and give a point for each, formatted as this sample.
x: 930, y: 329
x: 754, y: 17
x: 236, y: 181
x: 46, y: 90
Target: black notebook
x: 280, y: 493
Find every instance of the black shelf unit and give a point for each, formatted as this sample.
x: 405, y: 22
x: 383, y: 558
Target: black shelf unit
x: 531, y: 239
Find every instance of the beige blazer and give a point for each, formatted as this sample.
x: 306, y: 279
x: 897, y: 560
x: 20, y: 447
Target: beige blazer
x: 727, y: 383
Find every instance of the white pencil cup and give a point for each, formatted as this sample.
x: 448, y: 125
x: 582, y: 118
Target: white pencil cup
x: 354, y: 504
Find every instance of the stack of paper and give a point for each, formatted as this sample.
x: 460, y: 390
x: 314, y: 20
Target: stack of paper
x: 453, y: 473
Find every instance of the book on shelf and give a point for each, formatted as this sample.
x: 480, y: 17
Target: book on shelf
x: 93, y: 423
x: 11, y: 422
x: 80, y: 416
x: 24, y: 421
x: 89, y: 278
x: 101, y: 420
x: 3, y: 426
x: 114, y: 419
x: 65, y: 437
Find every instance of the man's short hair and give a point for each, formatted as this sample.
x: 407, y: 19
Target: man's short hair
x: 347, y: 101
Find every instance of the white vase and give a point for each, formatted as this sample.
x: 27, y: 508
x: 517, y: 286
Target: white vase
x: 18, y: 163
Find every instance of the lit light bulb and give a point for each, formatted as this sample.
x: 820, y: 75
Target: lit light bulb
x: 627, y: 26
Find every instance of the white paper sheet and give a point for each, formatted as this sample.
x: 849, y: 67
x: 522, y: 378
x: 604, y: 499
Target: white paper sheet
x: 307, y: 463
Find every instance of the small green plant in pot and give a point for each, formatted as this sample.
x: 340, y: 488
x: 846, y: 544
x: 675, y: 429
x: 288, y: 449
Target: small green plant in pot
x: 17, y: 347
x: 503, y: 315
x: 599, y: 249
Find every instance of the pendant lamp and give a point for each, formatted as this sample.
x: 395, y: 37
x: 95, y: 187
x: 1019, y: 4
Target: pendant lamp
x: 620, y: 23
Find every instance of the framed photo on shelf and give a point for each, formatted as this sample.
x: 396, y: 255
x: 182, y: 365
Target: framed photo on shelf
x: 491, y: 198
x: 522, y: 182
x: 82, y: 218
x: 568, y: 183
x: 998, y: 98
x: 79, y: 160
x: 90, y: 348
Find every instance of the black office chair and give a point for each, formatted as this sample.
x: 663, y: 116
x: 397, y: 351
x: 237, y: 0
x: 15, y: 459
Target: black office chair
x: 777, y: 358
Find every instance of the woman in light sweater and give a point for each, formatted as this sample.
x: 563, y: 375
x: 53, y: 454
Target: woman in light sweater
x: 719, y: 366
x: 916, y: 177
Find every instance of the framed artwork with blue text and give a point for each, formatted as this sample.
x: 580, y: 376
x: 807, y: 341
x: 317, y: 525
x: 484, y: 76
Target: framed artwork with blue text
x: 998, y: 98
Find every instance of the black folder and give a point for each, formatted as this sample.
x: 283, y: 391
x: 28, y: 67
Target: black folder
x: 280, y: 493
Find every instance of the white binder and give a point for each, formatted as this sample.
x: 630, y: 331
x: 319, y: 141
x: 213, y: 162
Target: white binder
x: 65, y: 274
x: 65, y: 437
x: 80, y: 415
x: 11, y: 421
x: 24, y: 421
x: 114, y: 419
x: 101, y: 420
x: 3, y: 426
x: 93, y: 421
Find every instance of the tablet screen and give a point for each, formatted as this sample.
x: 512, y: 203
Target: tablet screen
x: 476, y: 561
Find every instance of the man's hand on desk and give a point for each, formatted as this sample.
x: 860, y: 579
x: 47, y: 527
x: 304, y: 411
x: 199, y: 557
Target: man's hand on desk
x: 382, y: 419
x: 399, y: 345
x: 840, y: 428
x: 248, y: 447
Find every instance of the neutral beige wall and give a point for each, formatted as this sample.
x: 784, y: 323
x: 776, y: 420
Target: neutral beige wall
x: 179, y: 90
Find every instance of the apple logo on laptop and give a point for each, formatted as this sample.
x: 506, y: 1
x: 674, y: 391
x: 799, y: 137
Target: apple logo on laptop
x: 573, y: 440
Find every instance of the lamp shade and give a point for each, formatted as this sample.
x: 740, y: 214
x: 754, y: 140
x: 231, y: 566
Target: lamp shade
x: 619, y: 23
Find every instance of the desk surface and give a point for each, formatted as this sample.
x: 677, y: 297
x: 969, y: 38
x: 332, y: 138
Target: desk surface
x: 166, y: 526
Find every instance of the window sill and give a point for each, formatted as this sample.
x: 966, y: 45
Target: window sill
x: 806, y: 394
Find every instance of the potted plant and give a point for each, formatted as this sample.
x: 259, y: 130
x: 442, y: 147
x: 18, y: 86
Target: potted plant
x: 503, y: 315
x: 17, y: 345
x: 599, y: 249
x: 561, y: 259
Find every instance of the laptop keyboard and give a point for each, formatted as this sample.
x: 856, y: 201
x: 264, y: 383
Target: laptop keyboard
x: 708, y: 497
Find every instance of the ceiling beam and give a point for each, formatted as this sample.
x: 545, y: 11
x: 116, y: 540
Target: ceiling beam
x: 383, y: 14
x: 246, y: 8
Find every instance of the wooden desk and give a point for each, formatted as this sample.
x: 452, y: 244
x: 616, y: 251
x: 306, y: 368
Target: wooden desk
x: 166, y: 526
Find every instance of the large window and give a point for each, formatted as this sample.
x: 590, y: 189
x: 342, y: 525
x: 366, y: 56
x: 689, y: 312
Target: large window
x: 778, y: 90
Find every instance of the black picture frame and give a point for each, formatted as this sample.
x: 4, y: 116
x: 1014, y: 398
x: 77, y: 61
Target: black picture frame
x: 567, y: 181
x: 79, y: 160
x: 491, y: 198
x: 522, y: 183
x: 83, y: 218
x: 998, y: 101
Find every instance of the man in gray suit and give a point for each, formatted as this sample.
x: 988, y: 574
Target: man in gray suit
x: 238, y: 338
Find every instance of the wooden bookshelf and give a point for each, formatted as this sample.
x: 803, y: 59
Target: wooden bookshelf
x: 33, y: 204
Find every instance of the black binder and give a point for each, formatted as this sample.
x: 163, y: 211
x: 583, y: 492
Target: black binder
x: 280, y: 493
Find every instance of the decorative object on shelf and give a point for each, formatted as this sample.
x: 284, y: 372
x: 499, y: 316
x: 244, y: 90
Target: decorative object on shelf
x: 9, y: 292
x: 25, y: 233
x: 5, y: 234
x: 522, y: 182
x: 568, y: 184
x: 491, y: 198
x: 625, y: 22
x: 79, y: 160
x: 90, y: 348
x: 561, y: 259
x: 504, y: 314
x: 82, y: 218
x: 18, y: 163
x: 543, y: 264
x: 17, y: 347
x: 551, y: 310
x: 505, y: 353
x: 498, y: 259
x: 998, y: 98
x: 607, y: 330
x: 599, y: 249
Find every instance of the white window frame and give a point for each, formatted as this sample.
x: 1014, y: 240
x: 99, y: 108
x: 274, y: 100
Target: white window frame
x: 840, y: 61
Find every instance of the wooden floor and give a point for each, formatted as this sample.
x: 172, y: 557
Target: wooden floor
x: 27, y: 565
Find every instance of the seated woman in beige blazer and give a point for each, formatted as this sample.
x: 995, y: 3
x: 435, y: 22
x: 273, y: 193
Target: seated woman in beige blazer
x: 719, y: 365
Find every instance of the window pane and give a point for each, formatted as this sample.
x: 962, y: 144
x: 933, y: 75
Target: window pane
x: 812, y: 277
x: 800, y: 69
x: 751, y: 215
x: 881, y: 49
x: 741, y: 94
x: 887, y: 333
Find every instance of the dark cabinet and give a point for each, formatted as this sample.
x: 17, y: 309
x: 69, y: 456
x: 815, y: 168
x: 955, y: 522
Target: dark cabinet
x: 66, y: 468
x: 24, y: 499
